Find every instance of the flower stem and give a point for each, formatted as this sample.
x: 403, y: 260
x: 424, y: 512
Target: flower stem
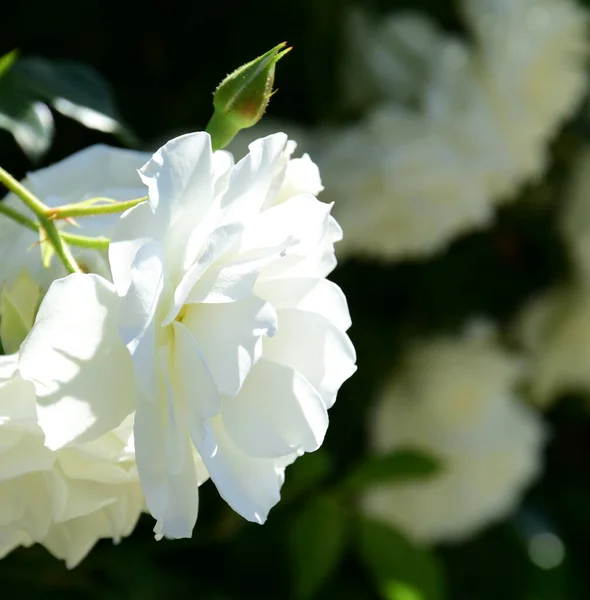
x: 18, y: 217
x: 73, y: 239
x: 21, y: 191
x: 60, y: 246
x: 82, y: 241
x: 85, y: 209
x: 45, y: 224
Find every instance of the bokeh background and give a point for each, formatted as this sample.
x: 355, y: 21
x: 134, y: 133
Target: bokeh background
x: 160, y: 63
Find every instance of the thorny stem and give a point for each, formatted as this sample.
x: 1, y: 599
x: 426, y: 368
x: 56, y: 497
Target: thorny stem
x: 45, y: 223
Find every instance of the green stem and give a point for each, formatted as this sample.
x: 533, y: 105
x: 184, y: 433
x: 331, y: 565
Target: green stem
x: 80, y: 210
x: 82, y: 241
x: 21, y: 191
x: 18, y: 217
x: 61, y: 248
x: 73, y: 239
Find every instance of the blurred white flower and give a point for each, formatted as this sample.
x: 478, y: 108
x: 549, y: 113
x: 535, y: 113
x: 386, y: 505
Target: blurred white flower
x: 554, y: 329
x: 236, y: 337
x: 533, y: 54
x: 66, y: 500
x: 389, y: 58
x: 96, y: 171
x: 575, y: 219
x: 455, y: 398
x: 479, y: 125
x: 399, y: 188
x: 532, y: 59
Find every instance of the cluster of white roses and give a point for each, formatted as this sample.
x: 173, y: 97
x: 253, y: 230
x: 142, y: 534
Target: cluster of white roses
x: 450, y: 131
x: 455, y: 128
x: 207, y: 343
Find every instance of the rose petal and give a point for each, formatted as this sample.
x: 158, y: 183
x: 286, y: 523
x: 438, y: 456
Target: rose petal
x: 252, y: 178
x: 171, y: 491
x: 251, y: 486
x: 277, y: 412
x: 194, y: 386
x: 230, y: 337
x: 179, y: 177
x: 309, y: 295
x: 310, y: 344
x: 137, y: 314
x: 80, y: 367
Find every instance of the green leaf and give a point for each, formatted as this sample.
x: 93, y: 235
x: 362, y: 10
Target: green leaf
x: 401, y: 591
x: 400, y: 570
x: 28, y: 120
x: 398, y: 466
x: 13, y: 329
x: 316, y: 544
x: 75, y: 90
x: 6, y: 61
x: 18, y: 305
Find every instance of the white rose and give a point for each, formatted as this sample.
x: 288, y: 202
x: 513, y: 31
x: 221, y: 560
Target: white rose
x: 533, y: 54
x: 387, y: 58
x: 66, y: 500
x: 554, y: 329
x: 575, y: 219
x: 407, y: 181
x: 236, y: 337
x: 95, y: 494
x: 455, y: 399
x: 399, y: 187
x: 24, y: 463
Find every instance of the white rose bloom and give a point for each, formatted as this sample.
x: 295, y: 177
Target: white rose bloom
x: 532, y: 58
x: 236, y: 337
x: 66, y: 500
x: 24, y: 463
x: 388, y: 58
x: 575, y: 220
x: 533, y: 53
x: 555, y: 331
x: 96, y: 171
x: 455, y: 398
x: 95, y: 494
x: 460, y: 99
x: 484, y: 115
x: 239, y: 146
x: 399, y: 188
